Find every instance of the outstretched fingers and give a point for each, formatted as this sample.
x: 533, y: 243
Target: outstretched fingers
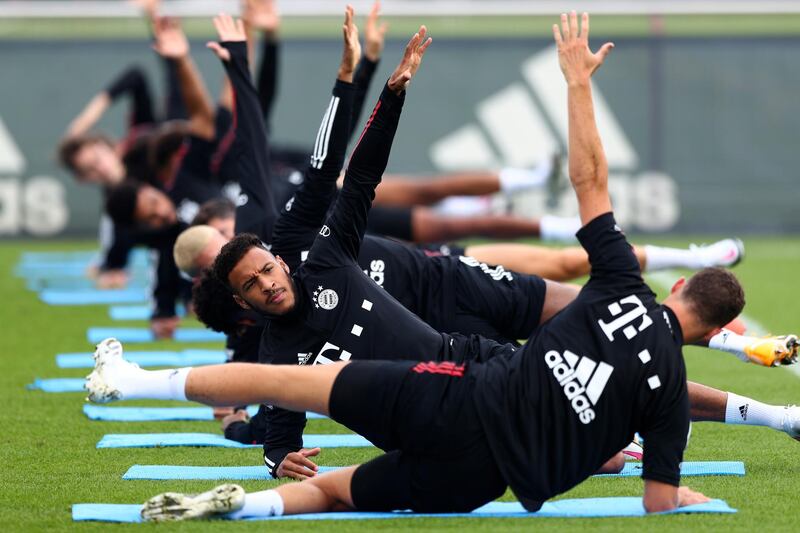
x: 565, y: 26
x: 557, y: 35
x: 585, y: 26
x: 573, y: 25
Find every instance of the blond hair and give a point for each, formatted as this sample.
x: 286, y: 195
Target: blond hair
x: 189, y: 245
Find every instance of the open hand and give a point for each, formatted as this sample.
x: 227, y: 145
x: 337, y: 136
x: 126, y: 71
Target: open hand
x: 164, y: 328
x: 261, y: 15
x: 170, y: 41
x: 412, y: 58
x: 577, y: 61
x: 374, y: 33
x: 149, y: 7
x: 351, y: 53
x: 297, y: 465
x: 228, y: 30
x: 112, y: 279
x: 687, y: 496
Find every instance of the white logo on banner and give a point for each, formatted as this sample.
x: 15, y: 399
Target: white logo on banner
x: 526, y: 133
x: 36, y: 205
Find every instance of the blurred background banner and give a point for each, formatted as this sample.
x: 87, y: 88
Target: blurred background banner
x: 698, y: 116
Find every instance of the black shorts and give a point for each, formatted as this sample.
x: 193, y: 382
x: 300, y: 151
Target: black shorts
x: 438, y: 457
x: 391, y: 222
x: 501, y: 305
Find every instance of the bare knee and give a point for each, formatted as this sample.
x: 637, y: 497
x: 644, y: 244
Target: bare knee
x: 335, y: 487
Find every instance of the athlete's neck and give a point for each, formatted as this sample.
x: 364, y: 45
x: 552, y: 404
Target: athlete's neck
x: 693, y: 330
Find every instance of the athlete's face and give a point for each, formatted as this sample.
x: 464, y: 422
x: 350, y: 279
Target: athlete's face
x: 206, y: 257
x: 261, y: 281
x: 154, y: 209
x: 225, y: 226
x: 97, y: 162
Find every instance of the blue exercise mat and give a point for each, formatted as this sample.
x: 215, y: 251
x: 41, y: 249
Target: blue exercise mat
x: 577, y: 508
x: 58, y: 385
x: 702, y: 468
x: 136, y: 312
x: 149, y: 414
x: 136, y: 256
x: 240, y: 473
x: 68, y: 283
x: 152, y: 440
x: 689, y: 468
x: 93, y: 296
x: 132, y: 335
x: 195, y: 357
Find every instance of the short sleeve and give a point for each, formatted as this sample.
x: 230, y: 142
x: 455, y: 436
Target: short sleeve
x: 614, y: 265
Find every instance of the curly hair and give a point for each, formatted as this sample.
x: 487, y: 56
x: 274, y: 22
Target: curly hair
x: 232, y: 253
x: 214, y: 304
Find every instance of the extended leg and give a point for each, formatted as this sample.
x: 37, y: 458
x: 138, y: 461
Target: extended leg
x: 325, y: 493
x: 712, y: 405
x: 292, y: 387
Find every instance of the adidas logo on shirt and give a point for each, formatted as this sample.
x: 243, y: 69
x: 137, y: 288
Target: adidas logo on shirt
x: 581, y: 379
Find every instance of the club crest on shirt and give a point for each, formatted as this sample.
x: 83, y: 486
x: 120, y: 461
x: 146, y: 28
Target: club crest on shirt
x: 325, y: 298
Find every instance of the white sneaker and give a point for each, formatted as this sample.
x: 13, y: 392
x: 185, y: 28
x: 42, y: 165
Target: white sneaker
x: 170, y: 506
x: 791, y: 421
x: 724, y: 253
x: 109, y: 366
x: 633, y: 451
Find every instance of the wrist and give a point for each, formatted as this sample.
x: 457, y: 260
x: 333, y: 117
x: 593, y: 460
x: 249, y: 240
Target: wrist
x: 579, y: 83
x: 345, y: 74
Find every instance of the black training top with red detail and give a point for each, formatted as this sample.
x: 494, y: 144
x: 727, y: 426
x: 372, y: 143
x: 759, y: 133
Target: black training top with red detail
x: 607, y: 366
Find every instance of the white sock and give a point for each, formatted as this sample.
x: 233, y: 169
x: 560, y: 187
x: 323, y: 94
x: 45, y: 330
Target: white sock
x: 661, y: 258
x: 262, y: 503
x: 728, y: 341
x: 553, y: 228
x: 153, y: 384
x: 746, y: 411
x: 518, y: 179
x: 464, y: 206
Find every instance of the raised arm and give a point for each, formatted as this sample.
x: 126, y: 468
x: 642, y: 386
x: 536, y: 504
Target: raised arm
x: 374, y: 40
x: 251, y: 146
x: 305, y: 212
x: 340, y: 238
x: 588, y: 168
x: 263, y: 16
x: 171, y: 43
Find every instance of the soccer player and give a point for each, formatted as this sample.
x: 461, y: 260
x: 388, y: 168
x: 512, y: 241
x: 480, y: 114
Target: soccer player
x: 608, y: 365
x: 492, y: 302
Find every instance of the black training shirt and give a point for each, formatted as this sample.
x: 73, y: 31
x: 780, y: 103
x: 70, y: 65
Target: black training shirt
x: 608, y: 365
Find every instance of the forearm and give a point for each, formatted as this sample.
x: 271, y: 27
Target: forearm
x: 362, y: 81
x: 268, y: 77
x: 588, y: 168
x: 252, y: 143
x: 90, y: 115
x: 195, y: 97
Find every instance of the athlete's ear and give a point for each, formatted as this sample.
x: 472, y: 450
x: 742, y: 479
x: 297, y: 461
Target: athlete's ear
x: 242, y: 303
x: 282, y: 263
x: 678, y: 285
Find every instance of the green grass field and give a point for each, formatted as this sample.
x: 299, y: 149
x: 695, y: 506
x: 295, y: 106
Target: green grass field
x: 49, y: 459
x: 455, y: 26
